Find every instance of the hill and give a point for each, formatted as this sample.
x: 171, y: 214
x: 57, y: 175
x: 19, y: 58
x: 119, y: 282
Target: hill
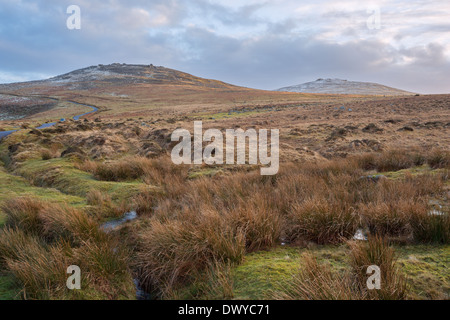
x: 119, y: 74
x: 339, y: 86
x: 126, y: 90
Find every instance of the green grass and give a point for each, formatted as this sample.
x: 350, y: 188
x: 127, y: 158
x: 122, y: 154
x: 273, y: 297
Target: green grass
x: 262, y: 271
x: 427, y: 269
x: 425, y: 266
x: 13, y: 186
x: 226, y: 115
x: 414, y: 171
x: 61, y: 174
x: 204, y: 172
x: 9, y: 290
x: 69, y: 180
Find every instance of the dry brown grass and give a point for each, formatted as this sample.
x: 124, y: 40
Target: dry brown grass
x: 391, y: 219
x: 144, y: 202
x: 439, y: 158
x: 378, y: 252
x: 43, y: 239
x: 318, y: 282
x: 121, y: 170
x: 42, y: 271
x: 430, y: 228
x: 257, y: 221
x: 172, y: 252
x: 398, y: 159
x: 323, y: 203
x: 23, y: 212
x: 152, y: 171
x: 321, y: 221
x: 13, y: 241
x: 195, y: 225
x: 103, y: 206
x: 61, y: 222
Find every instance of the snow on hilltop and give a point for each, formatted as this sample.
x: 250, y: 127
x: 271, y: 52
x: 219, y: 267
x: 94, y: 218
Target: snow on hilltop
x: 339, y: 86
x: 118, y: 74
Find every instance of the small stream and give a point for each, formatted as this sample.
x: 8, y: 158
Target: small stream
x: 76, y: 118
x: 107, y: 226
x: 113, y: 225
x: 4, y: 134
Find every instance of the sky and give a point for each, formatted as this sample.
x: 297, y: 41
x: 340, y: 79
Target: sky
x: 258, y: 44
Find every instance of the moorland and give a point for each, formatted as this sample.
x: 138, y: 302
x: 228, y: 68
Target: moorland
x: 363, y: 180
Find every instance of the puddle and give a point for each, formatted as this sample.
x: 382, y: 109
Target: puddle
x: 359, y: 235
x: 436, y: 213
x: 113, y: 224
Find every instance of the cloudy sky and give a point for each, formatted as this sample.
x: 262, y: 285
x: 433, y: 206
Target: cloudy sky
x: 259, y: 44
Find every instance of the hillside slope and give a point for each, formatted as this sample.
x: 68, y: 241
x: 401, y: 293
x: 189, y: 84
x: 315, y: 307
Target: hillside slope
x: 125, y: 90
x: 119, y: 74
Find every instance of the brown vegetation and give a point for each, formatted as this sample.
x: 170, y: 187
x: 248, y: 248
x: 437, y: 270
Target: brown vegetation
x: 41, y: 240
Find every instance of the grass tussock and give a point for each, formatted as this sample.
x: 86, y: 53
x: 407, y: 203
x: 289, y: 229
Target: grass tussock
x: 42, y: 240
x: 152, y: 171
x: 13, y: 241
x: 320, y: 282
x: 103, y: 206
x: 439, y: 159
x: 399, y: 159
x: 321, y: 221
x: 317, y: 282
x: 431, y: 227
x: 390, y: 219
x: 23, y: 213
x: 378, y: 252
x: 144, y: 202
x: 203, y: 225
x: 323, y: 203
x: 260, y: 224
x: 172, y: 252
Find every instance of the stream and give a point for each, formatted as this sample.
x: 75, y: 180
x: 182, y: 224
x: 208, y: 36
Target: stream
x: 51, y: 124
x: 113, y: 225
x: 107, y: 226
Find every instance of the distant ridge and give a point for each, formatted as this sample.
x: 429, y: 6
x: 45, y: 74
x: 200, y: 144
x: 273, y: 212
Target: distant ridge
x: 339, y: 86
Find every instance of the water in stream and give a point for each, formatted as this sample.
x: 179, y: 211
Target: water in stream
x: 51, y: 124
x: 114, y: 224
x: 6, y: 133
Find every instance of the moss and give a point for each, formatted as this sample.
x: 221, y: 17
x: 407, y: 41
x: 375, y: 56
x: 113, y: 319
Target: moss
x: 400, y: 174
x: 263, y: 271
x: 425, y: 266
x: 204, y: 172
x: 62, y: 175
x: 9, y: 289
x: 14, y: 186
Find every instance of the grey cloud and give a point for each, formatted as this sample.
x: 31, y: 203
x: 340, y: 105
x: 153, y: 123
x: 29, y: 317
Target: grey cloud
x: 34, y: 40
